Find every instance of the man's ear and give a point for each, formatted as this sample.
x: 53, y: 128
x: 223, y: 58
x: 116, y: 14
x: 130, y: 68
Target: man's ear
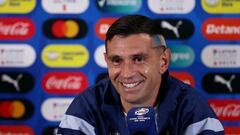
x: 105, y: 57
x: 165, y: 60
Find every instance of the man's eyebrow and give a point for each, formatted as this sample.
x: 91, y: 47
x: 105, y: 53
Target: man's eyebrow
x: 132, y: 56
x: 140, y: 55
x: 113, y: 56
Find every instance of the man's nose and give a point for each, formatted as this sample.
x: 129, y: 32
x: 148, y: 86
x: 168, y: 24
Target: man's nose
x: 127, y: 70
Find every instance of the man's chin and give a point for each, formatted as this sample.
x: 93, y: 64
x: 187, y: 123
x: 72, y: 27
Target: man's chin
x: 132, y: 100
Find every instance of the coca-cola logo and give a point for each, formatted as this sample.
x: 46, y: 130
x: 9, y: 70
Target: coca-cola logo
x: 226, y: 110
x: 16, y: 130
x: 64, y: 82
x: 16, y: 28
x: 232, y: 130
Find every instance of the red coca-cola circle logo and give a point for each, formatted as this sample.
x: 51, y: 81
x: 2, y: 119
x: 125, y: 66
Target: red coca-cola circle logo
x: 64, y: 82
x: 16, y: 28
x: 226, y: 110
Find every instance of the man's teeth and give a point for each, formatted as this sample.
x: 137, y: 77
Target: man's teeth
x: 130, y: 85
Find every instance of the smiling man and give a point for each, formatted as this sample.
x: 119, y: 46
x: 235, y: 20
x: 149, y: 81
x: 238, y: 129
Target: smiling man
x: 135, y: 68
x: 138, y: 58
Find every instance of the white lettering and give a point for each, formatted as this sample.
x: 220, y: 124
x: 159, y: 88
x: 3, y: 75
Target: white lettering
x: 122, y: 2
x: 16, y: 29
x: 64, y: 1
x: 222, y: 29
x: 104, y: 28
x: 181, y: 56
x: 10, y: 133
x: 71, y: 82
x: 230, y: 110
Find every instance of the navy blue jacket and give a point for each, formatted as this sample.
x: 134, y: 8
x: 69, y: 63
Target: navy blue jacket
x: 181, y: 111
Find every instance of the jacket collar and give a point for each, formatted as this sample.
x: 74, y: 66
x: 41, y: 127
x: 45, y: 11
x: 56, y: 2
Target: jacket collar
x: 112, y: 107
x: 167, y: 104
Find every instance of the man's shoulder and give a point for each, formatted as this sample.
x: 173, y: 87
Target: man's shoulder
x: 91, y: 98
x: 97, y: 90
x: 85, y: 109
x: 184, y: 92
x: 192, y: 111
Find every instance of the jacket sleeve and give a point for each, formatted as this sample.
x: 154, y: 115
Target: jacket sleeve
x: 194, y: 116
x: 78, y: 119
x: 64, y: 131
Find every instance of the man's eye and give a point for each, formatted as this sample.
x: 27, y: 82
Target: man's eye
x: 138, y: 59
x: 116, y: 61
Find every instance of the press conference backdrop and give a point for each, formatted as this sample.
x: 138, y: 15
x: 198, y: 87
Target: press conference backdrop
x: 51, y: 50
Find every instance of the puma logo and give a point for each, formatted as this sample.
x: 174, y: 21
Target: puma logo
x: 220, y: 79
x: 8, y: 79
x: 168, y: 26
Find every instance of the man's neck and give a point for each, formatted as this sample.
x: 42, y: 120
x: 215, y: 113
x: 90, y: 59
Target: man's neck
x: 127, y: 106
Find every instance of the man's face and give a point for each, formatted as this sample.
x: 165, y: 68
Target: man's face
x: 135, y: 68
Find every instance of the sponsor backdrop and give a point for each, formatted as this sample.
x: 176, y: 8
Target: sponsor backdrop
x: 51, y: 50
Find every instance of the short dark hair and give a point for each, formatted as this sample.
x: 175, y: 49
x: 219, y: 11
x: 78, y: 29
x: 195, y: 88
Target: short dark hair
x: 132, y: 24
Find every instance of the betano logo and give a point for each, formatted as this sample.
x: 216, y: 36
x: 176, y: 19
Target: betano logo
x: 53, y: 109
x: 221, y: 29
x: 16, y: 130
x: 221, y: 56
x: 17, y: 6
x: 16, y: 55
x: 217, y: 82
x: 184, y: 76
x: 15, y: 109
x: 73, y: 56
x: 99, y: 56
x: 16, y: 28
x: 64, y: 82
x: 102, y: 26
x: 226, y: 110
x: 65, y: 6
x: 182, y: 56
x: 221, y: 6
x: 65, y: 28
x: 119, y: 6
x: 171, y: 7
x: 16, y: 82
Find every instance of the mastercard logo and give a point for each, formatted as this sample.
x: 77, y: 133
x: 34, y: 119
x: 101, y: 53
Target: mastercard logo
x: 15, y: 109
x: 65, y: 28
